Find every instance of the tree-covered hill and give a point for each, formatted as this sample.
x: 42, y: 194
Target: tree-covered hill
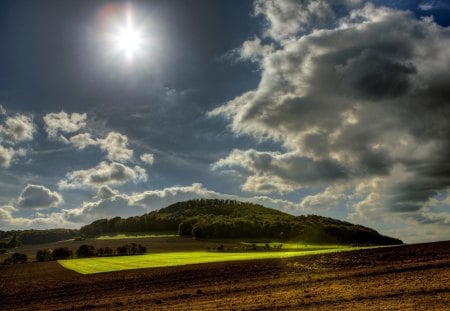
x: 212, y: 218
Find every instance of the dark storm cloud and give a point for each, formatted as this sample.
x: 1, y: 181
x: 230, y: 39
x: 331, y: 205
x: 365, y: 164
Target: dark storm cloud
x: 352, y: 101
x: 376, y: 77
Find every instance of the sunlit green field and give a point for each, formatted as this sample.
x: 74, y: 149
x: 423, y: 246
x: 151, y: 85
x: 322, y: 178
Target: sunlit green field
x: 135, y: 236
x: 108, y: 264
x: 299, y: 246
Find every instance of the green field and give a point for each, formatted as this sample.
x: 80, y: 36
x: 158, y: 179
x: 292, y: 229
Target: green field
x: 120, y: 236
x: 117, y: 263
x: 299, y: 246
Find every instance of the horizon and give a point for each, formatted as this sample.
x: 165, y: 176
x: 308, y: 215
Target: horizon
x: 122, y: 108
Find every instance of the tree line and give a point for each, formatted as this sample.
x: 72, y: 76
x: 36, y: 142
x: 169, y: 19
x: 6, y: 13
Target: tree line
x: 83, y: 251
x: 30, y: 237
x: 86, y: 250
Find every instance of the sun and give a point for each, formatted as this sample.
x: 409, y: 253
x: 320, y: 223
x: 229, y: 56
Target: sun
x: 128, y: 39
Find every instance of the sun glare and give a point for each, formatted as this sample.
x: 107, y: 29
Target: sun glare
x: 129, y: 39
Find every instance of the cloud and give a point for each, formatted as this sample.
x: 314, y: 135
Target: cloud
x: 289, y: 17
x: 441, y: 218
x: 253, y: 50
x: 147, y: 158
x: 2, y: 110
x: 62, y: 122
x: 155, y: 199
x: 6, y: 155
x: 432, y: 5
x: 8, y: 221
x: 280, y: 172
x: 17, y: 129
x: 358, y: 97
x: 116, y: 147
x: 330, y: 198
x: 105, y: 192
x: 425, y: 6
x: 103, y: 174
x: 82, y: 141
x: 112, y: 206
x: 38, y: 197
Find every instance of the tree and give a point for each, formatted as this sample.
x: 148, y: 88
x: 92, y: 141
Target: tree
x: 86, y: 251
x: 14, y: 242
x: 141, y: 249
x: 121, y: 250
x: 104, y: 251
x: 61, y: 253
x: 19, y: 258
x: 44, y: 254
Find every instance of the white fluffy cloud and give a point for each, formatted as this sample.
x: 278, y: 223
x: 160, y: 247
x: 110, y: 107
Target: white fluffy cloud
x: 103, y: 174
x: 17, y: 129
x: 147, y: 158
x: 155, y: 199
x: 330, y: 198
x: 116, y: 147
x: 62, y: 122
x: 105, y: 192
x: 115, y: 205
x: 8, y: 221
x: 83, y: 140
x: 289, y: 17
x: 6, y: 155
x: 38, y: 197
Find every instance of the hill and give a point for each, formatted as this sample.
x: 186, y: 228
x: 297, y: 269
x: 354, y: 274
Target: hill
x: 216, y: 219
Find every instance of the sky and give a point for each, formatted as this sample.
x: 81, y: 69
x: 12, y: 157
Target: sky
x: 335, y: 108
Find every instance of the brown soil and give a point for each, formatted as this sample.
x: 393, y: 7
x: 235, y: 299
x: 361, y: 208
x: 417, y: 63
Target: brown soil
x: 412, y: 277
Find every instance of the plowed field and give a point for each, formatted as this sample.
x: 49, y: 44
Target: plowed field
x: 412, y: 277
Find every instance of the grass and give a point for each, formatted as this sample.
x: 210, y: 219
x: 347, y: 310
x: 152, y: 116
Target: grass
x: 108, y: 264
x: 120, y: 236
x: 299, y: 246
